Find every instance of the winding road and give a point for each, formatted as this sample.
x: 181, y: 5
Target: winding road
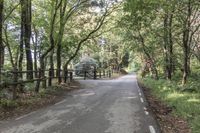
x: 101, y: 106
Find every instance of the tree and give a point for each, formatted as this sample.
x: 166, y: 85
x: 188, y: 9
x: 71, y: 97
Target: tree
x: 1, y: 37
x: 26, y: 36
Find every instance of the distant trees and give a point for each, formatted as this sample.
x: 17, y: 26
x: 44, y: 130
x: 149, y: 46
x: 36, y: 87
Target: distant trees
x: 168, y: 28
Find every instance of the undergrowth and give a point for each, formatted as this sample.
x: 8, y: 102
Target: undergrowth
x: 184, y: 99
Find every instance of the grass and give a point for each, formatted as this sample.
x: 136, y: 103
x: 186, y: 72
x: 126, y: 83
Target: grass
x: 29, y: 97
x: 184, y: 99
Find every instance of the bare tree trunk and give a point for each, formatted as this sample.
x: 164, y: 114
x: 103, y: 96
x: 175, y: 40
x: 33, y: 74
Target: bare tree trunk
x: 35, y: 42
x: 168, y: 43
x: 186, y: 34
x: 59, y: 63
x: 27, y: 37
x: 1, y: 40
x: 166, y: 46
x: 21, y: 48
x: 52, y: 63
x: 171, y: 62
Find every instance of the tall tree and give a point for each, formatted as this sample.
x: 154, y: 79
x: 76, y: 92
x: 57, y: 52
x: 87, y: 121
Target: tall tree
x: 26, y: 35
x: 1, y: 39
x: 186, y: 35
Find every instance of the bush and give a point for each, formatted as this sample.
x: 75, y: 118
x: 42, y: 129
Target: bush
x: 7, y: 104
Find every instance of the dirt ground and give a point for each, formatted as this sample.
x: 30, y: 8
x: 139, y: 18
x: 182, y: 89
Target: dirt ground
x: 168, y: 122
x: 29, y: 102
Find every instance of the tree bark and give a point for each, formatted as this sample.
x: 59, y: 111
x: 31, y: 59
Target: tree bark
x: 59, y: 42
x: 186, y: 51
x: 27, y: 37
x: 1, y: 34
x: 166, y: 46
x: 52, y: 64
x: 21, y: 48
x: 35, y: 42
x: 171, y: 62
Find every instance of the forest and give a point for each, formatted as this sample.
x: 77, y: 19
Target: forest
x: 157, y: 39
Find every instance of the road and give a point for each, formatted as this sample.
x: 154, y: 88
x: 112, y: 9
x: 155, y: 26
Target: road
x: 101, y: 106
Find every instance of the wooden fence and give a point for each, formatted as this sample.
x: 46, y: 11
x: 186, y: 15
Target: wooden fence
x: 17, y: 78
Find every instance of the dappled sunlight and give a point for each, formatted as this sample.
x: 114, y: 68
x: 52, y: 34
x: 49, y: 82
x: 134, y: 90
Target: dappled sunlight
x: 194, y: 100
x: 175, y: 95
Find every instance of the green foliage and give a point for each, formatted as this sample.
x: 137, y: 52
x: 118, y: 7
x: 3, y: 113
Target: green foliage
x: 185, y: 103
x: 8, y: 104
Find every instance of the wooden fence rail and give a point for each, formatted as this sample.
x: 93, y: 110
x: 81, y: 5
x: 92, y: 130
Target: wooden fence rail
x: 45, y: 77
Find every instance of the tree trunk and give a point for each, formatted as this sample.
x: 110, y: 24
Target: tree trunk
x: 27, y: 37
x: 1, y: 39
x: 186, y: 51
x: 171, y: 62
x: 59, y: 63
x: 166, y: 47
x: 35, y: 50
x: 168, y: 44
x: 60, y: 38
x: 21, y: 48
x: 52, y: 64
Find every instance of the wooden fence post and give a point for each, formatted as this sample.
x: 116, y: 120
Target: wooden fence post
x: 104, y: 73
x: 15, y: 79
x: 50, y: 77
x: 109, y: 73
x: 71, y: 76
x: 95, y: 73
x: 36, y: 73
x: 85, y: 73
x: 59, y: 75
x: 100, y: 73
x: 65, y: 75
x: 44, y: 82
x: 37, y: 86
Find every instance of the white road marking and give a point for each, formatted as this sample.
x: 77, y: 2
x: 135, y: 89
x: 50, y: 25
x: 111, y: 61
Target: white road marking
x: 131, y: 97
x: 141, y: 99
x: 152, y: 130
x: 140, y: 94
x: 145, y: 108
x: 60, y: 102
x: 24, y: 116
x: 146, y: 112
x: 88, y: 94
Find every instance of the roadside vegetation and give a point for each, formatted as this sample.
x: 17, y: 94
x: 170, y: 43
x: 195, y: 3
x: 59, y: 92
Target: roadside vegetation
x: 163, y: 37
x: 30, y: 101
x: 184, y: 100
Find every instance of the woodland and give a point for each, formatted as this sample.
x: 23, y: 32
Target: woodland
x: 157, y: 39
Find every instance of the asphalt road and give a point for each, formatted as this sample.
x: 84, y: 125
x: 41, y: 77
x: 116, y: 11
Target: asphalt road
x: 101, y: 106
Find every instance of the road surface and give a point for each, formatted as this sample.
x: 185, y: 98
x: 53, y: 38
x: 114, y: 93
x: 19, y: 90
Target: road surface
x: 101, y: 106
